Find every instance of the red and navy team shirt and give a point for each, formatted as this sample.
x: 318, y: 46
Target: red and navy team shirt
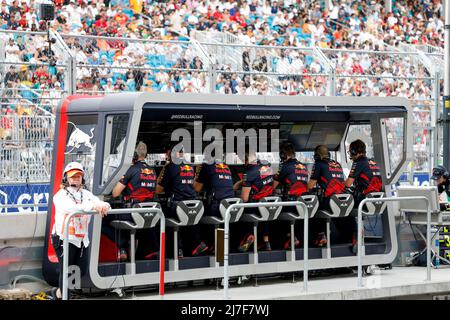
x: 140, y: 182
x: 366, y: 173
x: 293, y: 176
x: 217, y: 180
x: 259, y: 177
x: 329, y: 175
x: 178, y: 180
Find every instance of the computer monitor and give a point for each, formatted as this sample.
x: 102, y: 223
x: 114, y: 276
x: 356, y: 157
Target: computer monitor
x: 431, y: 193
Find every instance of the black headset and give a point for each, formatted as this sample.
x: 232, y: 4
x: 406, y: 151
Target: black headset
x: 283, y: 156
x: 135, y: 157
x: 445, y: 172
x: 353, y: 152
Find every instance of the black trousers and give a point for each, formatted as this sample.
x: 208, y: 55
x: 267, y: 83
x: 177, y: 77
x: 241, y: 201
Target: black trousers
x: 189, y: 237
x: 207, y: 231
x: 148, y: 239
x: 342, y: 229
x: 76, y: 257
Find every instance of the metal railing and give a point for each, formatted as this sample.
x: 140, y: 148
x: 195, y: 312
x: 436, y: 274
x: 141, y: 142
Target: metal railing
x: 264, y: 205
x: 360, y: 226
x: 115, y: 211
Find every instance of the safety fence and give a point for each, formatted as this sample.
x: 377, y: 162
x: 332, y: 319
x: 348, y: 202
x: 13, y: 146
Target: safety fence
x: 26, y: 144
x: 36, y: 74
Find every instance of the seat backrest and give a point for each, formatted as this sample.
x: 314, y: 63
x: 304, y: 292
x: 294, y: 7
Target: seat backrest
x: 418, y: 205
x: 190, y: 212
x: 235, y: 214
x: 270, y: 213
x: 374, y: 207
x: 341, y: 204
x: 311, y: 202
x: 146, y: 219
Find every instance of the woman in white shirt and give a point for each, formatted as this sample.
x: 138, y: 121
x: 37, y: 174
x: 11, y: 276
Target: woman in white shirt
x: 70, y: 198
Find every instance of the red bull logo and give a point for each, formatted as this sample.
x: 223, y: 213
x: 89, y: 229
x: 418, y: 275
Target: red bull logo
x: 79, y: 138
x: 300, y: 166
x: 186, y: 168
x: 147, y: 171
x: 186, y: 171
x: 265, y: 171
x: 334, y: 166
x: 221, y: 166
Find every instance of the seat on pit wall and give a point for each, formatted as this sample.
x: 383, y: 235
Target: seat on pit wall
x: 312, y: 204
x: 235, y: 214
x: 189, y: 212
x: 265, y: 213
x: 341, y: 206
x: 372, y: 208
x: 141, y: 220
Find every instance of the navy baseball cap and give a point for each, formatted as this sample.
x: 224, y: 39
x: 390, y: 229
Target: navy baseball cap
x: 438, y: 172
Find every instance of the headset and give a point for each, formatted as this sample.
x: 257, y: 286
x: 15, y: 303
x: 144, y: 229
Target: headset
x: 286, y: 145
x: 135, y: 157
x: 353, y: 152
x: 444, y: 171
x: 283, y: 156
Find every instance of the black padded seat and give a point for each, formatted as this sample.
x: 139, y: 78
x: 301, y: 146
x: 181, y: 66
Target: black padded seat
x: 341, y: 206
x: 140, y: 220
x: 312, y: 204
x: 372, y: 208
x: 265, y: 213
x: 189, y: 212
x: 235, y: 214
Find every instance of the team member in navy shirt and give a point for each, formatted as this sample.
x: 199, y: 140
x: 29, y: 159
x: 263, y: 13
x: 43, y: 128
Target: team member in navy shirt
x: 365, y: 173
x: 329, y: 176
x: 137, y: 185
x: 176, y: 181
x: 441, y: 179
x: 257, y: 184
x: 293, y: 179
x: 216, y: 179
x: 365, y: 176
x: 293, y: 175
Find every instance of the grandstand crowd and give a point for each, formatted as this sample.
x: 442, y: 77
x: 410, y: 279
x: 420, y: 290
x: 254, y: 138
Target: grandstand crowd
x: 282, y: 30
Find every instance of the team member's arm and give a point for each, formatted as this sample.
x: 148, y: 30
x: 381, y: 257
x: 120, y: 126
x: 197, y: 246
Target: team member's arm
x: 237, y: 185
x: 354, y: 172
x: 245, y: 194
x: 315, y: 176
x: 122, y: 183
x: 199, y: 179
x: 119, y: 187
x: 246, y: 187
x: 163, y: 180
x: 279, y: 176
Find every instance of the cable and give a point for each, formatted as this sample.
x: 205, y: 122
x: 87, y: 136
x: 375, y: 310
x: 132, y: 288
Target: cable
x: 117, y: 236
x: 14, y: 280
x: 8, y: 247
